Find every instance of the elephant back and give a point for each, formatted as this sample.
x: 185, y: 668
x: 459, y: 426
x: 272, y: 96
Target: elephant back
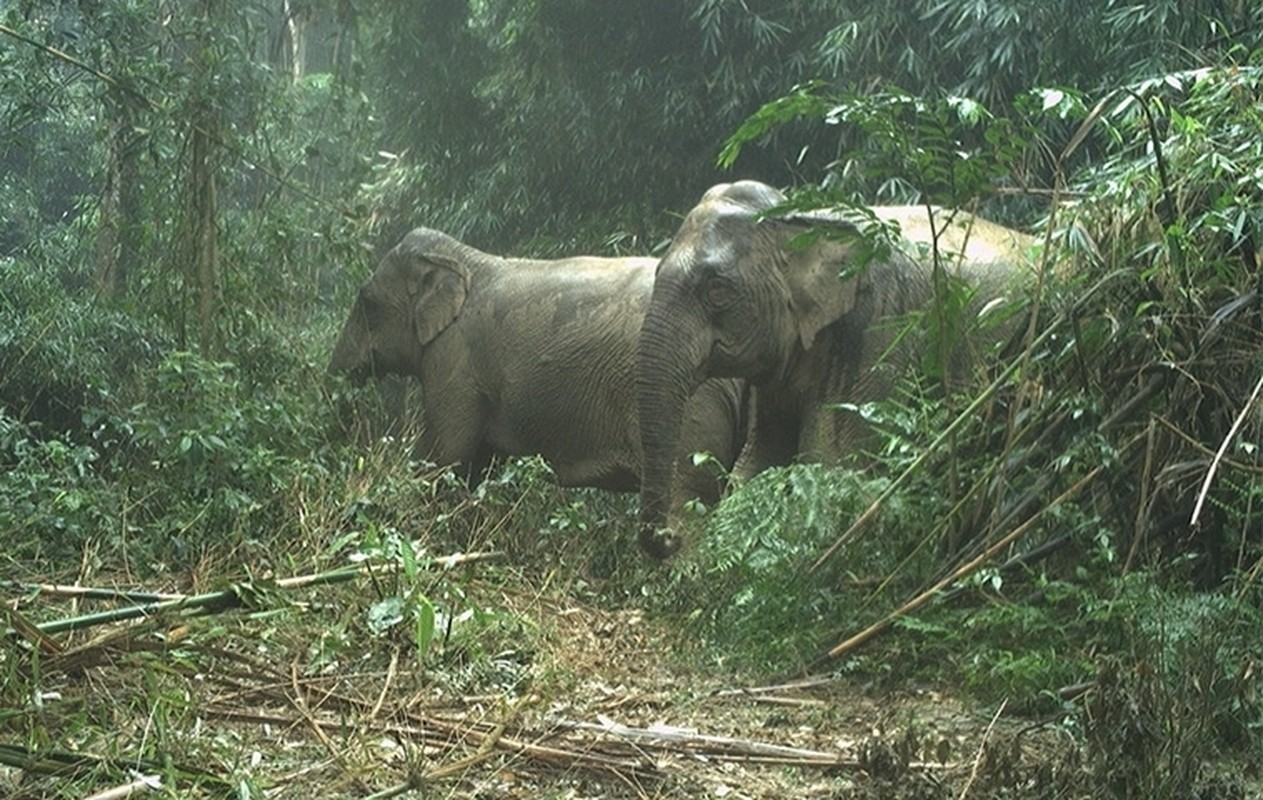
x: 960, y: 235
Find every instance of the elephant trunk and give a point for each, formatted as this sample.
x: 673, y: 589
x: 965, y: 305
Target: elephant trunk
x: 351, y: 352
x: 668, y: 370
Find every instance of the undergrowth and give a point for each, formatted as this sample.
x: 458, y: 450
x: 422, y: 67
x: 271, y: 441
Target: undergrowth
x: 746, y: 584
x: 1051, y: 547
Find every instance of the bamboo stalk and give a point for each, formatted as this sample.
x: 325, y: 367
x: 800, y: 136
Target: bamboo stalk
x: 966, y: 569
x: 206, y: 603
x: 968, y: 415
x: 429, y: 729
x: 982, y: 751
x: 212, y: 602
x: 808, y: 683
x: 1219, y: 454
x: 89, y: 592
x: 29, y: 631
x: 147, y: 783
x: 709, y: 744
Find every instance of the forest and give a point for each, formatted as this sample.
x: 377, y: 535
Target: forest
x: 231, y: 571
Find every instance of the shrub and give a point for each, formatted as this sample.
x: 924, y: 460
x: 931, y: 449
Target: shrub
x: 61, y: 354
x: 51, y: 497
x: 747, y: 583
x: 1180, y: 691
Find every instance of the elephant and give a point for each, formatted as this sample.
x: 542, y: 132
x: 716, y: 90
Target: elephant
x: 525, y: 357
x: 738, y: 294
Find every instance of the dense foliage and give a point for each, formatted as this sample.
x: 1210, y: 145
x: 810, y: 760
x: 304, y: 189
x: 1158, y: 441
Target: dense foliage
x: 191, y: 191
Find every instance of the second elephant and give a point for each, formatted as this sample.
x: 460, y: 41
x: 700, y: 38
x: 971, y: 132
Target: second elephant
x: 522, y: 357
x: 736, y: 296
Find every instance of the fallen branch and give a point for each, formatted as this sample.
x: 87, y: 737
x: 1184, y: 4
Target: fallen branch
x: 236, y: 596
x: 19, y: 624
x: 698, y: 744
x: 796, y: 702
x: 484, y: 751
x: 808, y: 683
x: 147, y: 783
x: 410, y: 785
x: 208, y: 603
x: 90, y: 592
x: 982, y: 750
x: 448, y: 735
x: 769, y: 694
x: 66, y: 763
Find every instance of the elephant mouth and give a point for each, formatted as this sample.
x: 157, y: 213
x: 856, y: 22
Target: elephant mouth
x: 720, y: 365
x: 357, y: 375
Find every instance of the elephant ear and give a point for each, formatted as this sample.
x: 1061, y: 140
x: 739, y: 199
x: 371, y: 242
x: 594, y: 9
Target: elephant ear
x: 437, y: 286
x: 822, y: 290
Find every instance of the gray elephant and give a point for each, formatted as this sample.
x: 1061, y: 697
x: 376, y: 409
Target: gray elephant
x: 522, y: 357
x: 806, y: 325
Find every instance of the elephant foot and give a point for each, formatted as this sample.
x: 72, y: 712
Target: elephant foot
x: 659, y: 543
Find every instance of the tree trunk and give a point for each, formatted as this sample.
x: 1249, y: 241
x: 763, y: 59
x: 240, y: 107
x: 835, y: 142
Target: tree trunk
x: 343, y: 48
x: 296, y: 20
x: 201, y: 213
x: 203, y: 226
x: 118, y: 226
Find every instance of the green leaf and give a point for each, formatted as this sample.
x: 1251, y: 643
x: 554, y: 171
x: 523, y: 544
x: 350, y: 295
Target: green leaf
x: 424, y: 636
x: 970, y: 111
x: 385, y: 614
x: 802, y: 101
x: 409, y: 559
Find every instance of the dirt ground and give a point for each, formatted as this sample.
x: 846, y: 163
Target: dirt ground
x: 818, y: 737
x: 594, y: 704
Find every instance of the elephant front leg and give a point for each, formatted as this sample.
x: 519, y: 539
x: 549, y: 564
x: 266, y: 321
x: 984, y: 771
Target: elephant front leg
x: 454, y: 436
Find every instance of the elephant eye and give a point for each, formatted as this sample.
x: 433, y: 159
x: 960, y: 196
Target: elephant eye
x: 366, y: 300
x: 719, y: 293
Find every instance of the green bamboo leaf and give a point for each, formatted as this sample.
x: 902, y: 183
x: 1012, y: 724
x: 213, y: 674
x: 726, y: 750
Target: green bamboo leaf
x: 802, y: 101
x: 424, y: 624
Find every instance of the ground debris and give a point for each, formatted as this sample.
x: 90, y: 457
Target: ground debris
x: 600, y: 710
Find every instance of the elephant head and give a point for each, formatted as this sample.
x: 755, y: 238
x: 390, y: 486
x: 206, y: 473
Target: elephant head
x: 416, y: 292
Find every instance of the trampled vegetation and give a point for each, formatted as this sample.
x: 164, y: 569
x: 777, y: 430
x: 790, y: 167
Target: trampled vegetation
x: 1048, y: 585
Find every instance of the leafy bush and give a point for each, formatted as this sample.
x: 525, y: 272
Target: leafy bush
x: 63, y: 359
x: 51, y: 496
x: 113, y: 434
x: 747, y: 584
x: 435, y: 610
x: 225, y: 447
x: 60, y: 353
x: 1179, y: 692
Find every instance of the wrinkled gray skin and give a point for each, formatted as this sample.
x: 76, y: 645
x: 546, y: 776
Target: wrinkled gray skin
x: 522, y: 357
x: 732, y: 299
